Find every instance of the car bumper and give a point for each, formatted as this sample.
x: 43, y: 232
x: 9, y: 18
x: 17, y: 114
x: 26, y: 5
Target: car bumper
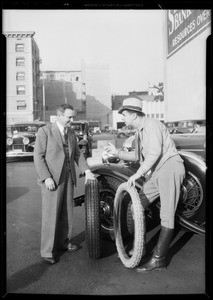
x: 18, y: 154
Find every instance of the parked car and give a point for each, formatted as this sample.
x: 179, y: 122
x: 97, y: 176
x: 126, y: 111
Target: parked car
x: 126, y: 131
x: 84, y: 136
x: 101, y: 218
x: 21, y: 139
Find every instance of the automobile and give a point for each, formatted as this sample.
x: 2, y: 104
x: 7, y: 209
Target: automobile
x: 20, y: 138
x: 126, y: 131
x: 181, y: 127
x: 108, y: 204
x: 84, y: 136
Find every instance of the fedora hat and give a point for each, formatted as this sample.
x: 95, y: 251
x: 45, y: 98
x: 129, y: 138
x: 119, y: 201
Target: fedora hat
x: 134, y: 104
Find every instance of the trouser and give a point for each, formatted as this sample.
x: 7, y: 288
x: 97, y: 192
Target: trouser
x: 57, y: 215
x: 166, y: 183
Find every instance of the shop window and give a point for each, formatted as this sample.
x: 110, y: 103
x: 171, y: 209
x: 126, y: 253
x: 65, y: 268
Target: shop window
x: 21, y: 104
x: 20, y: 89
x: 20, y: 61
x: 19, y: 47
x: 20, y: 76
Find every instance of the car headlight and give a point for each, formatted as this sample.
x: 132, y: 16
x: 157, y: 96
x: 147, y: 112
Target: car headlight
x: 26, y: 141
x: 9, y: 141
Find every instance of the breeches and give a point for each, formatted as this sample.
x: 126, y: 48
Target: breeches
x: 57, y: 215
x: 166, y: 184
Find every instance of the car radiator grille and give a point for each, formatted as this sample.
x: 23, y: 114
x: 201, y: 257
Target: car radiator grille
x: 18, y: 147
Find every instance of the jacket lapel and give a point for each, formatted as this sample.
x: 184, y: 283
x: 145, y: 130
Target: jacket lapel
x: 57, y: 135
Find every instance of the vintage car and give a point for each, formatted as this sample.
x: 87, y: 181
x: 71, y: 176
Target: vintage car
x: 84, y: 136
x: 109, y: 203
x: 125, y: 132
x: 21, y: 139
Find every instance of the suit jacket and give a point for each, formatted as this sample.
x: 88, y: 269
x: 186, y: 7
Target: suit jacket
x: 49, y: 156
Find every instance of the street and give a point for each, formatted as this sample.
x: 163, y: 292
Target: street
x: 76, y: 273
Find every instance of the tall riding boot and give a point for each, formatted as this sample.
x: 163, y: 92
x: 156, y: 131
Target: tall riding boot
x: 158, y: 259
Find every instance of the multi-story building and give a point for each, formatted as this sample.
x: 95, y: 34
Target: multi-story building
x: 95, y: 74
x: 63, y: 87
x: 23, y: 88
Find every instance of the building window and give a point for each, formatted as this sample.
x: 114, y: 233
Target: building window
x: 148, y: 115
x: 157, y: 116
x: 162, y: 116
x: 20, y: 61
x: 152, y: 115
x: 20, y: 76
x: 19, y: 47
x: 76, y: 78
x: 21, y: 104
x: 20, y: 89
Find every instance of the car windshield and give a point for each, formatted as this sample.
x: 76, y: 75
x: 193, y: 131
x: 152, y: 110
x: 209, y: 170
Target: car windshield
x: 24, y: 128
x: 79, y: 127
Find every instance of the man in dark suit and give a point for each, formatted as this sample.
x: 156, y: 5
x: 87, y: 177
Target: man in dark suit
x: 56, y: 151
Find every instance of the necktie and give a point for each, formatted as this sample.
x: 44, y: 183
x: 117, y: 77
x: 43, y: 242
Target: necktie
x: 65, y: 134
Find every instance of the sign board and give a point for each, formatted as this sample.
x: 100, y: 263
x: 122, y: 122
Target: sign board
x: 184, y: 25
x: 53, y: 119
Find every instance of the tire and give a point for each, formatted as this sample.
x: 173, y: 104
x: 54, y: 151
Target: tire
x: 107, y: 190
x: 191, y: 207
x: 92, y: 211
x: 139, y: 226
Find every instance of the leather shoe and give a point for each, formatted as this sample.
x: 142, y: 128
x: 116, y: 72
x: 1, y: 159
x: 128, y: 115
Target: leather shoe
x: 72, y: 248
x: 49, y: 260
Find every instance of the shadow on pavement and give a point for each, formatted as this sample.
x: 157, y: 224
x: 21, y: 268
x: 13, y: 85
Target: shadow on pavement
x: 26, y: 276
x: 14, y: 193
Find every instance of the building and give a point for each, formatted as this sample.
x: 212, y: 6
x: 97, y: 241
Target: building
x: 63, y: 87
x: 95, y: 74
x: 153, y: 106
x: 23, y: 88
x: 187, y: 35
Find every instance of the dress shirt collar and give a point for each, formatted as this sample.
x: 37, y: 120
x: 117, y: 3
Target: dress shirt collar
x: 60, y: 127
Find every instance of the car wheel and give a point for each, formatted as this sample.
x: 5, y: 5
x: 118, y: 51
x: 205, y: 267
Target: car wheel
x: 92, y: 211
x: 107, y: 190
x: 191, y: 207
x: 130, y: 261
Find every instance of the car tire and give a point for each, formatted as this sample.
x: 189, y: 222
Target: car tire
x: 107, y: 190
x: 92, y: 211
x: 139, y: 226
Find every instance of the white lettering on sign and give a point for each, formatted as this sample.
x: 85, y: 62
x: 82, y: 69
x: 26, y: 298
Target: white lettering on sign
x: 202, y: 17
x: 185, y: 25
x: 177, y: 19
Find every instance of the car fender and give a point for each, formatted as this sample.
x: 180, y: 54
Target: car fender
x: 121, y: 171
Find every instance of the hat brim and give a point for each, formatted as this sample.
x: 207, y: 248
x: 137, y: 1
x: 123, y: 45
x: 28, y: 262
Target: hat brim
x: 130, y: 108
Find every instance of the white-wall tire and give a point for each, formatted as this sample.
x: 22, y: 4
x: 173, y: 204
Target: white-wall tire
x: 139, y: 226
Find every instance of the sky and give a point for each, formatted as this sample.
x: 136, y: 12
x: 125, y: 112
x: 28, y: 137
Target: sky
x: 130, y: 41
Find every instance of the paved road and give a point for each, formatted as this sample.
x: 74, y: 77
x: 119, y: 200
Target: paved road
x: 76, y: 273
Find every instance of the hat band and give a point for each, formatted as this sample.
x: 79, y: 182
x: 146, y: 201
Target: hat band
x: 131, y: 107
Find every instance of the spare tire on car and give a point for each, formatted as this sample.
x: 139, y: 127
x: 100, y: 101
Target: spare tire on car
x: 93, y: 226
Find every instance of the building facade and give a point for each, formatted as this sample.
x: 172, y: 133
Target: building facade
x: 23, y: 87
x: 63, y: 87
x: 95, y: 74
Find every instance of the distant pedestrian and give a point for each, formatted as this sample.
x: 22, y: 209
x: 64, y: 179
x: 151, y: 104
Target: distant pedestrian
x: 56, y: 151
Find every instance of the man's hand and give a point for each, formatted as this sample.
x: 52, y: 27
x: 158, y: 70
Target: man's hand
x: 49, y: 184
x: 131, y: 181
x: 89, y: 175
x: 111, y: 149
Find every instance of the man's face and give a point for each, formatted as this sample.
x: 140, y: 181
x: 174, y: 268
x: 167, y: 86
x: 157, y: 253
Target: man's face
x: 128, y: 117
x: 67, y: 117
